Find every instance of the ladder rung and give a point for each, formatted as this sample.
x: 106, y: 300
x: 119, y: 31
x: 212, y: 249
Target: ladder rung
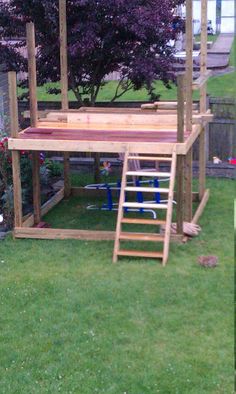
x: 146, y: 173
x: 150, y: 158
x: 146, y: 189
x: 141, y: 205
x: 141, y: 237
x: 140, y: 253
x: 143, y: 221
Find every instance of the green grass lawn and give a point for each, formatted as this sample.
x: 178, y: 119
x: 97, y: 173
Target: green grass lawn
x: 72, y: 322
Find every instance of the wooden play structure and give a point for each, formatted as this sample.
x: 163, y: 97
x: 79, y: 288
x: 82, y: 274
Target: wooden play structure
x: 160, y: 132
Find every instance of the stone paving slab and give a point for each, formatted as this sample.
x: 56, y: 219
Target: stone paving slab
x: 223, y: 44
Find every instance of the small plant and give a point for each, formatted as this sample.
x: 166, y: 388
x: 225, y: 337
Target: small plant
x: 55, y: 169
x: 6, y: 183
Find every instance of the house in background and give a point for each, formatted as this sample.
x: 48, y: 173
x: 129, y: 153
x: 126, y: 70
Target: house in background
x: 221, y: 13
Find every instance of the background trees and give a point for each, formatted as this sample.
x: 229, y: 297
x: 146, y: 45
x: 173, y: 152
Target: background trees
x: 104, y: 36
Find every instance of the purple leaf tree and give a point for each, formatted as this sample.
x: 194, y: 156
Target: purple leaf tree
x: 131, y: 37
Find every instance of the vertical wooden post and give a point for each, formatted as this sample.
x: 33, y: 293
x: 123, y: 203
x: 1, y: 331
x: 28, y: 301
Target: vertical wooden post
x: 189, y: 106
x: 14, y: 125
x: 180, y: 158
x: 203, y: 100
x: 64, y: 85
x: 30, y: 33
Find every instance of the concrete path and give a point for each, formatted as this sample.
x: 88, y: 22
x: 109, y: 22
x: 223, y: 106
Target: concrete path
x: 223, y: 44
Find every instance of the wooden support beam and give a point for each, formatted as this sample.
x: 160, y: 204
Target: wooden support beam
x: 180, y: 159
x: 200, y: 82
x: 13, y: 105
x: 63, y: 54
x: 204, y: 73
x: 85, y: 235
x: 199, y: 210
x: 14, y: 126
x: 203, y: 99
x: 16, y: 174
x: 188, y: 186
x: 36, y: 186
x: 30, y: 34
x: 64, y: 85
x: 189, y: 63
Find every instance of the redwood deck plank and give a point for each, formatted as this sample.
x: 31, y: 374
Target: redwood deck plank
x: 98, y: 135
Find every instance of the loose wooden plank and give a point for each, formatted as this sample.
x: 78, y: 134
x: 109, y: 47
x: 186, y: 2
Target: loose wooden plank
x: 49, y: 233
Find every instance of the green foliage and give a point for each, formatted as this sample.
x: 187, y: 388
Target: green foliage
x: 55, y: 169
x: 72, y: 322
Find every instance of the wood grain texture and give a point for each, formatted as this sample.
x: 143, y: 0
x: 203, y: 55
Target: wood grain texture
x: 13, y: 105
x: 189, y: 63
x: 17, y: 189
x: 36, y: 187
x: 30, y: 34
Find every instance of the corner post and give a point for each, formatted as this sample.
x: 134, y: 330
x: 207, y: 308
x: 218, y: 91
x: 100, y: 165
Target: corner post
x: 30, y: 33
x: 203, y: 101
x: 189, y: 107
x: 180, y: 158
x: 14, y: 126
x: 64, y: 85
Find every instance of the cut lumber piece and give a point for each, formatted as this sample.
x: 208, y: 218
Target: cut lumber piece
x: 140, y: 253
x: 16, y: 173
x: 203, y: 117
x: 143, y: 205
x: 148, y: 174
x: 13, y: 105
x: 141, y: 237
x: 146, y: 189
x: 172, y: 105
x: 150, y: 158
x: 199, y: 82
x: 199, y: 210
x: 169, y: 209
x: 120, y: 208
x: 50, y: 233
x: 143, y: 221
x: 32, y: 72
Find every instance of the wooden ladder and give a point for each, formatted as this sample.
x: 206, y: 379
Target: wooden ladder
x: 168, y: 207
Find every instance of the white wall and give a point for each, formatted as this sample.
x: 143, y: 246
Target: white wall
x: 227, y: 19
x: 228, y: 16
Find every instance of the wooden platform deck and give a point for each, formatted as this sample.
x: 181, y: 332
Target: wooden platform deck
x: 112, y: 132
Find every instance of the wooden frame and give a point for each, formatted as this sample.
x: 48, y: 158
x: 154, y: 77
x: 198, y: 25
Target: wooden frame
x: 162, y: 117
